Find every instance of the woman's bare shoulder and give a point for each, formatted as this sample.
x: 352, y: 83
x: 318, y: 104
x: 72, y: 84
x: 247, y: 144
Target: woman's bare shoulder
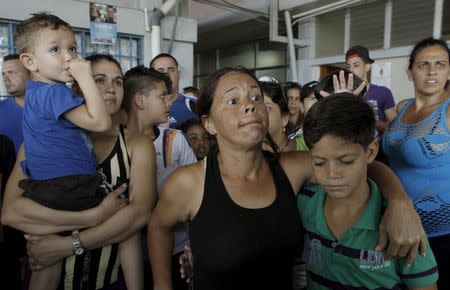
x: 191, y: 175
x: 401, y: 104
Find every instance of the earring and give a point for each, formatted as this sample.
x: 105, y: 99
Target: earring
x: 284, y: 128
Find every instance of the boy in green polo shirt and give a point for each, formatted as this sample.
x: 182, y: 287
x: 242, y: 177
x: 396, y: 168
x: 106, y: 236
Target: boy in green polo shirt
x: 341, y: 215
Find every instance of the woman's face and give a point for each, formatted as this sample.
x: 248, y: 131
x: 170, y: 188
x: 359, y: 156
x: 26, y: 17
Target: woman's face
x: 238, y: 115
x: 277, y: 121
x: 430, y: 71
x: 108, y: 78
x: 308, y: 102
x: 293, y: 96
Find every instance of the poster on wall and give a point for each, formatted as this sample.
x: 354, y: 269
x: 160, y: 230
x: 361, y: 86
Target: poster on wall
x: 103, y: 23
x: 381, y: 74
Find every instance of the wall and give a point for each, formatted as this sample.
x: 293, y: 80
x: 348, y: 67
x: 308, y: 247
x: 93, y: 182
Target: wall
x: 129, y: 20
x: 401, y: 87
x: 76, y: 13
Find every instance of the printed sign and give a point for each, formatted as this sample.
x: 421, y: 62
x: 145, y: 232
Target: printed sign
x: 103, y: 23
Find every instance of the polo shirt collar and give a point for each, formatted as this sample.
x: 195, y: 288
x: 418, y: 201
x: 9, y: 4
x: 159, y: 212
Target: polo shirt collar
x: 370, y: 219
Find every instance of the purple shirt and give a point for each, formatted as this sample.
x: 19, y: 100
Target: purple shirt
x: 381, y: 99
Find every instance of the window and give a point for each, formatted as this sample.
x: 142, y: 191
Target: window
x: 6, y: 47
x: 330, y: 34
x: 270, y: 54
x: 412, y: 21
x: 367, y: 25
x: 243, y: 54
x: 446, y: 20
x: 262, y: 57
x: 128, y: 50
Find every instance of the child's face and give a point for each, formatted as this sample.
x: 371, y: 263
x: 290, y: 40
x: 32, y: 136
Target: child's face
x: 340, y: 166
x: 199, y: 140
x: 156, y: 105
x: 294, y: 104
x: 358, y: 67
x: 52, y: 53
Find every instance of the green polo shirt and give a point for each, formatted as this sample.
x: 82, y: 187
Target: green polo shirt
x: 352, y: 260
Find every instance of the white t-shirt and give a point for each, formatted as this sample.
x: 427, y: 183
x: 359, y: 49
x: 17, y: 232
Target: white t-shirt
x: 172, y: 151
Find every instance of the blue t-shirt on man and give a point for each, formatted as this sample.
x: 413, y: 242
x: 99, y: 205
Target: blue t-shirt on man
x: 181, y: 110
x: 11, y: 121
x: 54, y: 146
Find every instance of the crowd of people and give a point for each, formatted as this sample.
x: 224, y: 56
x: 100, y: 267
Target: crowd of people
x: 124, y: 181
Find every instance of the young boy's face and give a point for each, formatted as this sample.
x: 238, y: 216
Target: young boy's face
x: 340, y: 166
x: 51, y: 54
x: 156, y: 104
x: 358, y: 67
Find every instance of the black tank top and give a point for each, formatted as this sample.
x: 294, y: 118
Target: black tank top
x: 241, y: 248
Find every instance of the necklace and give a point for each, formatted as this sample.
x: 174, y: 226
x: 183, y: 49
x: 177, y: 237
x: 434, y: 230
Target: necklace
x: 284, y: 147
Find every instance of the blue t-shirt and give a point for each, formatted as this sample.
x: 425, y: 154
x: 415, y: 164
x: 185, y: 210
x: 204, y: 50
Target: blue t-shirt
x: 11, y: 121
x: 181, y: 110
x: 54, y: 146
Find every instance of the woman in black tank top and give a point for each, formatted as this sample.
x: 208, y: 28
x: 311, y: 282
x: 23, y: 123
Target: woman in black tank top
x: 241, y: 205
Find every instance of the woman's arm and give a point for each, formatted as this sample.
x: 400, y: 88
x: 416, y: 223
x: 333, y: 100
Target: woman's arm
x: 47, y: 250
x: 400, y: 228
x: 28, y: 216
x: 143, y: 193
x: 174, y: 206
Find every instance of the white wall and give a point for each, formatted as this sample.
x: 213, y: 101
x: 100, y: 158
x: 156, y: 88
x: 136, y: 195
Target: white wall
x: 129, y: 20
x: 74, y: 12
x: 401, y: 87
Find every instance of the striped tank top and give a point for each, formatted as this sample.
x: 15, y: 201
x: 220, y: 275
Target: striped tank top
x: 99, y: 268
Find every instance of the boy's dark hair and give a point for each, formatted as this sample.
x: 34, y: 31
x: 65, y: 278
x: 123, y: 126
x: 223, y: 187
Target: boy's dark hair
x: 26, y: 31
x: 161, y: 55
x: 191, y: 89
x: 184, y: 127
x: 326, y: 83
x: 275, y: 93
x: 342, y: 115
x: 11, y: 56
x: 141, y: 79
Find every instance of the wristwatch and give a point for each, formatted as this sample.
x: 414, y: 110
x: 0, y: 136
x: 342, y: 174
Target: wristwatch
x: 78, y: 248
